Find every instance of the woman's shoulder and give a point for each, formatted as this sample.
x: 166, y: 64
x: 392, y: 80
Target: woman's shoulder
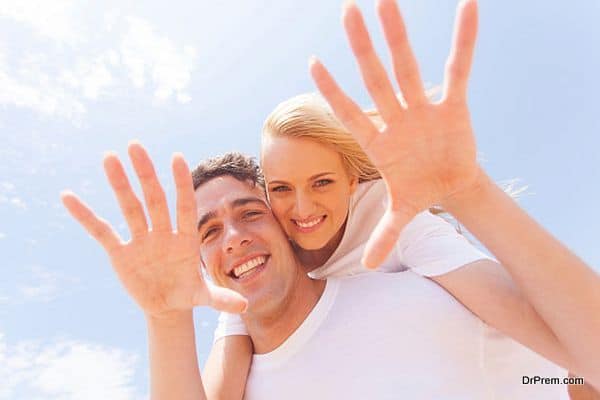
x: 368, y: 192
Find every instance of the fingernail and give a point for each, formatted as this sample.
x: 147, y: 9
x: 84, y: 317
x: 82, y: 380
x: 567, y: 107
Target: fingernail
x: 109, y: 153
x: 64, y: 193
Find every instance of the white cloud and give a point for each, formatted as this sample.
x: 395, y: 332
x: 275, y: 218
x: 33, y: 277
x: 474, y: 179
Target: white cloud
x: 91, y: 77
x: 33, y: 88
x: 147, y: 54
x: 44, y: 284
x: 8, y: 195
x: 66, y: 369
x: 2, y: 235
x: 59, y: 67
x: 36, y: 283
x: 54, y: 20
x: 7, y: 187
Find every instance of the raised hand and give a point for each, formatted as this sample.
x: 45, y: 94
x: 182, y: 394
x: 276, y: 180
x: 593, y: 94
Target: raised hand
x: 424, y: 151
x: 159, y: 267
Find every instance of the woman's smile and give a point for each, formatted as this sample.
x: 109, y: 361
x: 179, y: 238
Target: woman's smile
x: 309, y: 225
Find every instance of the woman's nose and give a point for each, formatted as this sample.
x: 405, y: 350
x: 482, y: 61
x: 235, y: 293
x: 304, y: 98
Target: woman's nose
x: 304, y: 206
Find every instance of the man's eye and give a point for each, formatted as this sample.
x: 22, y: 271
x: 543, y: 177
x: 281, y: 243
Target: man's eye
x: 209, y: 232
x: 323, y: 182
x: 251, y: 214
x: 280, y: 189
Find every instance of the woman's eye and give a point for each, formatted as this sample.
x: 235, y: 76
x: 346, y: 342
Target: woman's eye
x: 279, y: 189
x: 323, y: 182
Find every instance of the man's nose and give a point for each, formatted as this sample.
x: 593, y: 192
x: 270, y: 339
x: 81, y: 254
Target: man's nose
x: 235, y: 238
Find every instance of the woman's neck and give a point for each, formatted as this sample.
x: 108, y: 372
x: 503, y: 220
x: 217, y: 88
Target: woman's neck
x: 312, y: 259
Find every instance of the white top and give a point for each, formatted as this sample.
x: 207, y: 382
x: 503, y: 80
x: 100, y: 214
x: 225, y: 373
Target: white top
x: 363, y: 340
x: 428, y: 245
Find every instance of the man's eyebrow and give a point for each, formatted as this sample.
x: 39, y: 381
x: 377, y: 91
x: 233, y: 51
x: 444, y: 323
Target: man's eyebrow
x: 205, y: 218
x: 247, y: 200
x: 316, y: 176
x: 234, y: 204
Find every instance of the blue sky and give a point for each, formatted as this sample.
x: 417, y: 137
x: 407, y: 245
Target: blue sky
x: 77, y: 79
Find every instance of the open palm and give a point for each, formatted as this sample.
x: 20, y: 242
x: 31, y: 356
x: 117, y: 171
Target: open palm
x: 425, y: 151
x: 159, y: 267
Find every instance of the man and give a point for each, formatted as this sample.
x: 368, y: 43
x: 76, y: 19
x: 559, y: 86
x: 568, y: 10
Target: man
x: 351, y: 338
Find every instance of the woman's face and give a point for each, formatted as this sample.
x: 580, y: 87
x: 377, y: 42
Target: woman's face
x: 308, y: 187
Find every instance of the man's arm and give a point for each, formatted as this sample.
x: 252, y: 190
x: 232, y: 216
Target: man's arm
x: 174, y: 372
x: 159, y: 268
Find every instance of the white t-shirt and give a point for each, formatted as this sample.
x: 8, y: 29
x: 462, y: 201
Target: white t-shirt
x: 363, y: 340
x: 428, y: 245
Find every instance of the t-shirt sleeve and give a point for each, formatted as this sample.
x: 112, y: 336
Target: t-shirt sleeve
x: 431, y: 246
x: 228, y: 325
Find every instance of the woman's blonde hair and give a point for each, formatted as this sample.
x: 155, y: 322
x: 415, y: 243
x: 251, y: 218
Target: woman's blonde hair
x: 309, y: 116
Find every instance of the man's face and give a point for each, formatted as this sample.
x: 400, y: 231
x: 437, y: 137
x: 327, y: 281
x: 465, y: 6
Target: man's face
x: 242, y: 245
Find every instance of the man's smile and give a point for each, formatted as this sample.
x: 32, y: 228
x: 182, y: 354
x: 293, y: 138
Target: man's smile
x: 248, y: 267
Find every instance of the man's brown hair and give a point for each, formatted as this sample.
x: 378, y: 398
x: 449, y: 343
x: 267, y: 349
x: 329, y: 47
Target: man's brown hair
x: 237, y: 165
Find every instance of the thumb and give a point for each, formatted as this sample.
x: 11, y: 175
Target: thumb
x: 384, y: 237
x: 224, y: 299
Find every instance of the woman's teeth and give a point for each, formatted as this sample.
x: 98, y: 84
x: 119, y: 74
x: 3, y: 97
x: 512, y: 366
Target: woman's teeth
x: 308, y: 224
x: 248, y: 265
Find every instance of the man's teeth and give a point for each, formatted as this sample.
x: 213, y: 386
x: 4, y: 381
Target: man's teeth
x: 248, y: 265
x: 309, y: 224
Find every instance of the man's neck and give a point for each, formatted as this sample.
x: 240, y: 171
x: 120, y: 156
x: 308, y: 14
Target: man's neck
x: 269, y: 329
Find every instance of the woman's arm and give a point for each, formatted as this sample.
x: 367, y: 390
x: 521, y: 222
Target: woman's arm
x: 227, y: 367
x: 426, y: 154
x: 563, y: 290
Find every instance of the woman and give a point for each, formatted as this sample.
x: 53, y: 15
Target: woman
x: 314, y: 199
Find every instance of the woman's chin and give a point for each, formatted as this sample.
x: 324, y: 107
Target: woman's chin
x: 309, y: 245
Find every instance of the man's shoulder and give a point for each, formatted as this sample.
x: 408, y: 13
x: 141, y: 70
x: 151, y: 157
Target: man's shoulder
x: 377, y: 280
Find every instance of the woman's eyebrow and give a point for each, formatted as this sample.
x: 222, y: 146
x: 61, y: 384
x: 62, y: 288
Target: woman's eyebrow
x: 316, y: 176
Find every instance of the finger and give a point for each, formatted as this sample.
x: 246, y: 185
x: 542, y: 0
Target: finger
x: 406, y: 68
x: 98, y: 228
x: 128, y: 201
x: 186, y: 203
x: 348, y: 112
x: 156, y: 200
x: 371, y: 68
x: 224, y: 299
x: 460, y: 59
x: 384, y: 237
